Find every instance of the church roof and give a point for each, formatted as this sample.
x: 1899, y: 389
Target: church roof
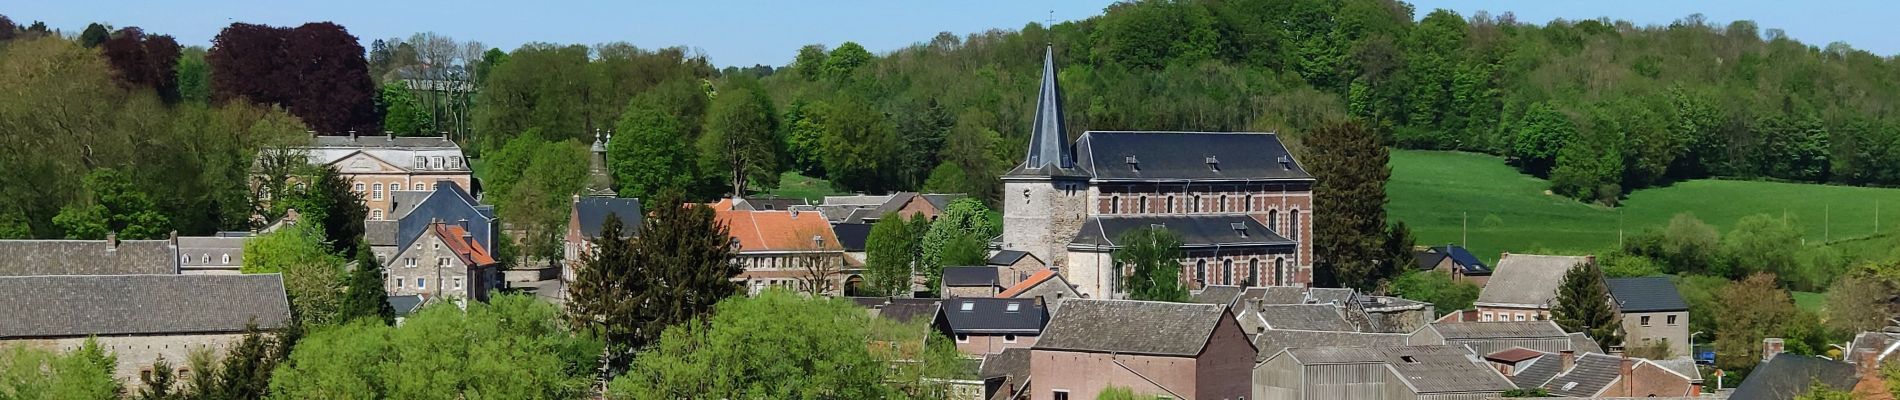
x: 1049, y: 152
x: 1180, y: 156
x: 1201, y: 230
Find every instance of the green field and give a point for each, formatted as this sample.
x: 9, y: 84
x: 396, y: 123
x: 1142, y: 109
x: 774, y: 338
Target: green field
x: 793, y: 185
x: 1442, y: 194
x: 1809, y: 301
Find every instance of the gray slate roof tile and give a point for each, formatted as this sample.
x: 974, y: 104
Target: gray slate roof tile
x: 87, y: 257
x: 1646, y: 294
x: 1308, y: 317
x: 1185, y: 155
x: 1202, y: 230
x: 987, y: 315
x: 1137, y: 327
x: 83, y: 305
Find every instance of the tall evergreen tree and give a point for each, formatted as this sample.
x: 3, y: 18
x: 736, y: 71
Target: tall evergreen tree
x: 329, y: 201
x: 94, y: 35
x: 1583, y: 305
x: 1349, y: 226
x: 1153, y: 255
x: 599, y: 300
x: 628, y: 291
x: 363, y: 294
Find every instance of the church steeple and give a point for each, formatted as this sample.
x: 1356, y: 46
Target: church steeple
x: 1049, y: 139
x: 599, y: 182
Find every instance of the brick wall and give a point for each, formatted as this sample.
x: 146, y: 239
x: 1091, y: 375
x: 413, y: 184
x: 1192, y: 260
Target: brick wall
x: 1085, y: 375
x: 978, y: 345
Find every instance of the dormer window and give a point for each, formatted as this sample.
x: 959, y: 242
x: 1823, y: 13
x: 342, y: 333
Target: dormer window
x: 1408, y: 359
x: 422, y: 162
x: 1286, y: 163
x: 455, y: 162
x: 1239, y: 228
x: 1213, y: 163
x: 1133, y: 164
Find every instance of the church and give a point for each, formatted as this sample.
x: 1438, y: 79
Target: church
x: 1239, y: 202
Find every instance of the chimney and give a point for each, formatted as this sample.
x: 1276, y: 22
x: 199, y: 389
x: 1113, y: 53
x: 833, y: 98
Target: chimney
x: 1628, y: 372
x: 352, y: 135
x: 313, y: 134
x: 1770, y: 347
x: 1590, y: 259
x: 112, y: 238
x: 1867, y: 363
x: 389, y: 136
x: 1566, y: 360
x: 463, y: 223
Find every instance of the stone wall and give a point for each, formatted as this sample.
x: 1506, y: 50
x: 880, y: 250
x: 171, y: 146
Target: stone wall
x: 1041, y: 216
x: 437, y: 272
x: 138, y: 353
x: 1659, y: 330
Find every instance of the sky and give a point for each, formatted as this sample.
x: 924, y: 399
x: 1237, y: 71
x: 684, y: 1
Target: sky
x: 747, y: 32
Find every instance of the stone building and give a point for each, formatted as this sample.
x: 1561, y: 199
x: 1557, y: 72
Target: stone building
x: 444, y: 262
x: 1241, y: 196
x: 1524, y: 287
x: 1654, y: 314
x: 139, y: 318
x: 1177, y: 350
x: 90, y: 257
x: 782, y: 248
x: 584, y: 222
x: 1046, y: 286
x: 379, y: 165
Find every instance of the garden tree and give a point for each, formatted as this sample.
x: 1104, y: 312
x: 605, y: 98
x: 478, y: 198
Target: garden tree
x: 194, y: 76
x: 94, y: 35
x: 512, y: 346
x: 781, y: 345
x: 363, y: 295
x: 889, y: 262
x: 1349, y: 162
x: 402, y: 115
x: 1751, y: 309
x: 741, y: 138
x: 1761, y: 243
x: 316, y: 70
x: 144, y: 61
x: 532, y: 184
x: 810, y: 62
x: 1686, y: 245
x: 1150, y: 265
x: 628, y: 292
x: 83, y: 121
x: 161, y: 384
x: 113, y: 205
x: 1859, y: 303
x: 312, y: 274
x: 1397, y: 249
x: 1437, y: 287
x: 1818, y: 391
x: 327, y: 202
x: 803, y: 132
x: 1583, y: 305
x: 845, y: 59
x: 29, y: 373
x: 962, y: 217
x: 1625, y: 265
x: 1703, y: 293
x: 649, y: 154
x: 816, y: 265
x: 966, y: 249
x: 858, y: 146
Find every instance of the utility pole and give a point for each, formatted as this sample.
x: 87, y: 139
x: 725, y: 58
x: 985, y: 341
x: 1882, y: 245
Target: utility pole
x: 1827, y: 214
x: 1876, y: 216
x: 1464, y: 232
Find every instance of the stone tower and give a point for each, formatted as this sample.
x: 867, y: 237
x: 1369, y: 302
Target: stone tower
x: 1044, y: 198
x: 600, y: 183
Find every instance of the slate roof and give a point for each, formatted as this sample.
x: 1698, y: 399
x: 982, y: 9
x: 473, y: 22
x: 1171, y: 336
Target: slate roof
x: 1459, y: 255
x: 402, y: 202
x: 1216, y: 294
x: 1007, y: 257
x: 1538, y: 372
x: 1581, y: 343
x: 1646, y: 294
x: 1498, y: 330
x: 380, y: 233
x: 1136, y: 327
x: 1789, y: 375
x: 592, y: 212
x: 1427, y: 260
x: 852, y: 236
x: 210, y: 250
x: 898, y: 309
x: 85, y: 305
x: 778, y: 231
x: 1012, y: 363
x: 400, y: 152
x: 1272, y: 341
x: 1330, y: 295
x: 1429, y: 369
x: 87, y: 257
x: 969, y: 276
x: 1195, y: 231
x: 1049, y: 134
x: 994, y: 316
x: 1177, y: 156
x: 1590, y: 375
x: 1527, y: 280
x: 450, y: 204
x: 405, y: 305
x: 1310, y: 317
x: 1275, y: 295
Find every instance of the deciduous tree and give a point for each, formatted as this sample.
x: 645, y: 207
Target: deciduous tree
x: 741, y: 138
x: 889, y: 262
x: 1751, y: 310
x: 1150, y: 265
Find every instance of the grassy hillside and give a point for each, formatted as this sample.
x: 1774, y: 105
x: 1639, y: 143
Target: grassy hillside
x: 1433, y: 192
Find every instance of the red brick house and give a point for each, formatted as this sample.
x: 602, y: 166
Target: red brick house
x: 1177, y: 350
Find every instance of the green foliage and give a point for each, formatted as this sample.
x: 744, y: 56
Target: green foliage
x: 114, y: 206
x: 28, y: 373
x: 1349, y: 162
x: 1820, y: 391
x: 1124, y: 393
x: 965, y: 219
x: 781, y: 345
x: 628, y: 291
x: 1751, y: 309
x: 570, y: 91
x: 858, y: 146
x: 1583, y: 305
x: 363, y: 294
x: 194, y: 76
x: 741, y: 138
x: 1149, y: 266
x: 402, y: 114
x: 845, y: 59
x: 889, y: 258
x: 531, y: 184
x: 1157, y: 33
x: 329, y: 203
x: 312, y: 275
x: 1436, y: 287
x: 1762, y: 243
x: 649, y: 153
x: 1532, y: 392
x: 512, y: 347
x: 94, y: 35
x: 1624, y: 265
x: 1859, y: 303
x: 1703, y: 293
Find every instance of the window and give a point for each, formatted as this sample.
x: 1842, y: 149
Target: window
x: 1115, y: 205
x: 458, y: 283
x: 968, y: 305
x: 409, y: 262
x: 422, y: 162
x: 435, y: 162
x: 1248, y: 205
x: 1672, y: 320
x: 1013, y: 307
x: 1120, y: 272
x: 1009, y: 338
x: 441, y: 261
x: 435, y: 245
x: 1293, y: 225
x: 398, y: 282
x: 227, y: 259
x: 204, y: 258
x: 1227, y: 272
x: 1645, y: 320
x: 1520, y: 316
x: 1279, y: 272
x: 1486, y: 317
x: 1253, y: 271
x: 962, y: 338
x: 1223, y: 203
x: 1143, y: 205
x: 419, y: 186
x: 455, y: 162
x: 1200, y: 272
x: 1062, y: 395
x: 1196, y: 205
x: 422, y: 283
x: 358, y: 187
x: 376, y: 191
x: 1170, y: 208
x: 1273, y: 220
x: 375, y: 215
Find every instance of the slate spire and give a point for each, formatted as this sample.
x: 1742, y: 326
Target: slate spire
x: 1048, y: 139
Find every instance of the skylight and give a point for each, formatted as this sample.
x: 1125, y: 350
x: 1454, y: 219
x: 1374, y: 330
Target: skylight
x: 969, y: 305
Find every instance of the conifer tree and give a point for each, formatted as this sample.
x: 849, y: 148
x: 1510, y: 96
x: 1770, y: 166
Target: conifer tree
x: 630, y: 289
x: 1583, y: 305
x: 1349, y: 225
x: 599, y: 298
x: 363, y: 295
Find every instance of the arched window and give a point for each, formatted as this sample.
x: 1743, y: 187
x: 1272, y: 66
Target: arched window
x: 1200, y: 272
x: 1227, y: 271
x: 1273, y: 221
x: 1196, y: 205
x: 1170, y: 208
x: 1279, y: 272
x: 359, y: 187
x: 376, y: 191
x: 1248, y: 206
x: 1120, y: 272
x: 1223, y: 203
x: 1115, y: 204
x: 1143, y: 206
x: 1293, y: 225
x: 1253, y: 272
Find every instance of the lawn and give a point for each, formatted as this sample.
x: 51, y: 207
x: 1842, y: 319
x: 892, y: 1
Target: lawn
x: 1441, y: 194
x: 1809, y: 301
x: 793, y: 185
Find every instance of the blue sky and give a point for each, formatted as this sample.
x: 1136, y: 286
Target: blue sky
x: 741, y: 32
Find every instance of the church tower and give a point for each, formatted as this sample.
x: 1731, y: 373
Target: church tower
x: 600, y: 183
x: 1044, y: 198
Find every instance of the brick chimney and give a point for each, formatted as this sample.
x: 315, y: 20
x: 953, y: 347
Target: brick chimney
x: 1770, y: 347
x: 1867, y: 364
x: 1628, y: 372
x: 1566, y: 360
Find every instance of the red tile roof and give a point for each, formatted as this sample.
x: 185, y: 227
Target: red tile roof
x: 1024, y: 286
x: 467, y: 248
x: 763, y: 231
x: 1514, y: 355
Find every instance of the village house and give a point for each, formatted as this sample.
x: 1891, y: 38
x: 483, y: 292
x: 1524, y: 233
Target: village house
x: 1453, y: 260
x: 90, y: 257
x: 1654, y: 314
x: 140, y: 318
x: 222, y: 254
x: 983, y: 326
x: 1273, y: 341
x: 1524, y: 287
x: 378, y: 165
x: 868, y: 209
x: 411, y: 212
x: 981, y: 281
x: 1240, y: 201
x: 1015, y: 264
x: 1005, y: 374
x: 1787, y: 375
x: 1047, y: 287
x: 782, y: 249
x: 444, y: 262
x: 1177, y: 350
x: 1399, y: 372
x: 1279, y: 307
x: 1595, y: 375
x: 584, y: 221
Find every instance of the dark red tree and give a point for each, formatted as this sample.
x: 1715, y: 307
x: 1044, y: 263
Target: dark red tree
x: 144, y: 61
x: 316, y: 71
x: 7, y: 29
x: 248, y: 62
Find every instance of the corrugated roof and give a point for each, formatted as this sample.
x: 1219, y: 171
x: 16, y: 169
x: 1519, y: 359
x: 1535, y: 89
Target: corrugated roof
x: 1198, y: 230
x: 1646, y: 294
x: 988, y: 315
x: 1127, y: 326
x: 87, y: 257
x: 1311, y: 317
x: 85, y: 305
x: 1272, y: 341
x: 1527, y: 279
x: 592, y: 213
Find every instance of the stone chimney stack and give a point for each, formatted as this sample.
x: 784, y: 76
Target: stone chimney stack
x: 112, y: 238
x: 1770, y: 347
x: 1866, y: 363
x: 1566, y: 360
